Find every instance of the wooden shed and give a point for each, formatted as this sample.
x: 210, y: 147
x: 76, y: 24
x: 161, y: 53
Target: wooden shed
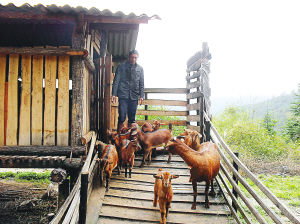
x: 54, y: 64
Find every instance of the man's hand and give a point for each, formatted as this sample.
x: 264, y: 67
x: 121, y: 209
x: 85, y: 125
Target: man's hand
x: 141, y: 101
x: 114, y: 99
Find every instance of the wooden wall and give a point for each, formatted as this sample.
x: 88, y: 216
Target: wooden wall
x: 37, y: 100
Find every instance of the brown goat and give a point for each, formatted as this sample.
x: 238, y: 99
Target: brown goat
x: 147, y: 127
x: 128, y: 149
x: 163, y: 190
x: 108, y: 162
x: 204, y: 164
x: 151, y: 140
x: 191, y: 139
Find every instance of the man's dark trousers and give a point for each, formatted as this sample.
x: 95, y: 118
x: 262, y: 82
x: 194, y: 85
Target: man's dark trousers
x: 127, y: 107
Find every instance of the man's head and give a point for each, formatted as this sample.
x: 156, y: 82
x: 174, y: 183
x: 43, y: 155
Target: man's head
x: 132, y: 56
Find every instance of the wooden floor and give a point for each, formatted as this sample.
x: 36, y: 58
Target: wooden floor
x: 130, y: 200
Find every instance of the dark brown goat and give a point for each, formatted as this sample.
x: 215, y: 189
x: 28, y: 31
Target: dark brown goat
x: 204, y: 164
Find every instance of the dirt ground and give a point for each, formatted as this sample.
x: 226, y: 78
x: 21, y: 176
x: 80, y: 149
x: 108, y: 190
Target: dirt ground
x: 25, y: 203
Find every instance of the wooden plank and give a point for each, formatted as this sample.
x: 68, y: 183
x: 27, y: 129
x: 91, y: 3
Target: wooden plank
x: 2, y: 96
x: 43, y: 51
x: 25, y: 110
x: 37, y: 100
x: 161, y: 113
x: 12, y: 107
x: 154, y: 215
x: 50, y: 98
x: 165, y: 102
x: 165, y: 90
x: 195, y: 128
x: 107, y: 92
x: 195, y: 75
x: 177, y: 123
x: 193, y: 118
x: 193, y: 95
x: 183, y: 207
x: 194, y: 106
x: 193, y: 85
x: 63, y: 100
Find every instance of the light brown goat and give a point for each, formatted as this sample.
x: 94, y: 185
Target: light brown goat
x: 204, y: 164
x: 147, y: 127
x: 191, y: 139
x: 163, y: 190
x: 128, y: 149
x: 151, y: 140
x: 108, y: 162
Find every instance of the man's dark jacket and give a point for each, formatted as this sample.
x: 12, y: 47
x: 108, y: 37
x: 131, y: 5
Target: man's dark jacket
x: 129, y: 81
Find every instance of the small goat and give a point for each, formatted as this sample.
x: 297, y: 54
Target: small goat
x: 163, y: 190
x: 128, y: 149
x: 204, y: 164
x: 147, y: 127
x: 151, y: 140
x: 108, y: 162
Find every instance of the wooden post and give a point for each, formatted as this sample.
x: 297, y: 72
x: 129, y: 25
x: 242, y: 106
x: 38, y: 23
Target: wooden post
x: 146, y: 106
x: 77, y: 69
x: 201, y: 114
x: 83, y: 197
x: 107, y: 92
x: 236, y: 180
x: 2, y: 96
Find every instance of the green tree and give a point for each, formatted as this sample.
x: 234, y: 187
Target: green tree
x: 293, y: 122
x: 269, y: 123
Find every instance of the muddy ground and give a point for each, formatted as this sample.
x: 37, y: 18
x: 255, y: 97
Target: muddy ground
x: 25, y: 203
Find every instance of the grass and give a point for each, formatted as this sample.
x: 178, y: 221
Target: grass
x: 34, y: 177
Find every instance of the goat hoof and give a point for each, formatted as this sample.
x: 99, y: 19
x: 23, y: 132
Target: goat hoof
x: 193, y: 207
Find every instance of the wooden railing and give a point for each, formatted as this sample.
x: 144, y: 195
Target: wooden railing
x: 74, y: 208
x: 227, y: 169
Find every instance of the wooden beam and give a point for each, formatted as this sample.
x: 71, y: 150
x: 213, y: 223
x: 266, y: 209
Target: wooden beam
x: 25, y: 110
x: 191, y: 118
x: 161, y: 113
x: 193, y: 95
x: 77, y: 70
x: 164, y: 122
x: 115, y: 19
x: 165, y: 90
x: 194, y: 106
x: 192, y: 85
x: 2, y: 96
x: 115, y: 27
x: 165, y: 102
x: 12, y: 110
x: 195, y: 75
x: 195, y: 128
x: 44, y: 51
x: 43, y: 150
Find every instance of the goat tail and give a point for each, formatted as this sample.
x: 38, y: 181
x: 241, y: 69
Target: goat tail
x: 170, y: 126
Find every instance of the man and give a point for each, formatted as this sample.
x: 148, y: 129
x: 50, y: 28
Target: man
x: 128, y: 86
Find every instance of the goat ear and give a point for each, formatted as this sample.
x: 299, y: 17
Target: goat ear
x: 175, y: 176
x: 157, y: 177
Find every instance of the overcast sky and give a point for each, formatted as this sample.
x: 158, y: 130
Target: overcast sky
x: 255, y: 45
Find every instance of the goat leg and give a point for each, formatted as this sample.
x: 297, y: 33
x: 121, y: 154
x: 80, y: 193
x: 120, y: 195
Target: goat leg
x: 118, y: 168
x: 144, y: 159
x: 212, y: 191
x: 162, y: 206
x: 149, y: 157
x: 206, y: 194
x: 194, y: 182
x: 155, y: 200
x: 130, y: 172
x: 101, y: 177
x: 107, y: 182
x: 167, y: 208
x: 125, y: 170
x: 169, y: 159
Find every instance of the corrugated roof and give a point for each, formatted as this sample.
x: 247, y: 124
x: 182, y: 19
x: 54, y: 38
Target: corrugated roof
x: 67, y: 10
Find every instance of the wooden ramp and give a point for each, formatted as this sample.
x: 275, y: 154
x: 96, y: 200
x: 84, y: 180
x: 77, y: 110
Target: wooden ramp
x: 130, y: 200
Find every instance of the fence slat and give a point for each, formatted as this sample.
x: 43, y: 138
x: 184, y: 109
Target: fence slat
x: 192, y: 127
x: 63, y: 100
x: 166, y: 122
x: 193, y: 118
x: 161, y: 113
x: 12, y: 105
x: 50, y: 94
x: 37, y: 100
x: 193, y: 95
x: 194, y: 106
x: 25, y: 110
x: 165, y: 102
x: 165, y: 90
x: 193, y: 84
x: 2, y: 96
